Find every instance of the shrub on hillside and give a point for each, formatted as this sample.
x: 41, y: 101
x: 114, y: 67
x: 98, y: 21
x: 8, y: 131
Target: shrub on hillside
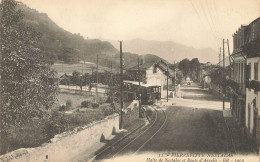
x: 84, y: 103
x: 101, y: 100
x: 95, y: 105
x: 62, y: 108
x: 109, y: 99
x: 68, y: 104
x: 54, y: 124
x: 106, y: 109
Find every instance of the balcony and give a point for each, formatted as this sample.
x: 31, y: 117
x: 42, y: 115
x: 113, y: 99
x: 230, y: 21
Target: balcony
x: 255, y: 85
x: 239, y: 88
x: 252, y: 49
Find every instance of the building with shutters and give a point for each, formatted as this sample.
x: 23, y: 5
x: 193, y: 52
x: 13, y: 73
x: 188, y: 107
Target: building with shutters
x: 252, y: 50
x: 245, y: 87
x: 152, y: 73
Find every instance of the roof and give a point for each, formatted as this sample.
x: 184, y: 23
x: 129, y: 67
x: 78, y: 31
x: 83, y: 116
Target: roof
x: 160, y: 64
x: 252, y: 49
x: 141, y: 83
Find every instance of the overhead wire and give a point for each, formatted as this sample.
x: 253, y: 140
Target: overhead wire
x: 213, y: 21
x: 195, y: 9
x: 215, y: 33
x: 207, y: 19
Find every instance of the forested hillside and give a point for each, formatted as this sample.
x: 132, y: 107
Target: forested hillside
x: 61, y: 45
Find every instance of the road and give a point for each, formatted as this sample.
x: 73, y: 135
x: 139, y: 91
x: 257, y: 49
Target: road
x: 194, y: 123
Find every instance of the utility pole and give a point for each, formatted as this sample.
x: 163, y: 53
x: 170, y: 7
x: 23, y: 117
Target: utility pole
x: 121, y: 87
x: 167, y: 73
x: 175, y: 79
x: 219, y: 71
x: 111, y: 77
x: 97, y: 81
x: 139, y: 89
x: 229, y: 58
x: 223, y: 75
x: 62, y: 66
x: 81, y: 78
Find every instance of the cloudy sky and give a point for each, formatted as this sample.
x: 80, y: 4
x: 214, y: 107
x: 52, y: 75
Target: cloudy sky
x: 197, y: 23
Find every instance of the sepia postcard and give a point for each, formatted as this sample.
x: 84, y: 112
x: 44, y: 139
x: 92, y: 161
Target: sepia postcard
x: 130, y: 80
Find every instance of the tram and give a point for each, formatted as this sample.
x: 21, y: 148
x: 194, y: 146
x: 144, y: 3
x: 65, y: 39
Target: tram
x: 149, y: 93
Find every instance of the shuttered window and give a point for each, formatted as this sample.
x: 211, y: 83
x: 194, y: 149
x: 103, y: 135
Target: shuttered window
x: 249, y: 71
x: 256, y: 71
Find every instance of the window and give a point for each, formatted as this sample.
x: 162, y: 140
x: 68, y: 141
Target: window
x: 256, y: 71
x: 154, y: 69
x: 249, y: 71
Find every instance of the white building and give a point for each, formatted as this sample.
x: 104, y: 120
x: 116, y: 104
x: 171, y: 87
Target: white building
x: 152, y: 73
x: 253, y: 97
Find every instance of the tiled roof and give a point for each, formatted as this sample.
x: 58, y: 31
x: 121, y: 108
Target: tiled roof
x: 160, y: 64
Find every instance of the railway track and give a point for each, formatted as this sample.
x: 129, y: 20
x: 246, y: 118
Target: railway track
x: 136, y: 140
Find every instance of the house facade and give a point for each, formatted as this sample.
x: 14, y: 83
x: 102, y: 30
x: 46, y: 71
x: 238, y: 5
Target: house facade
x: 245, y: 87
x: 154, y: 74
x: 238, y: 76
x: 252, y: 49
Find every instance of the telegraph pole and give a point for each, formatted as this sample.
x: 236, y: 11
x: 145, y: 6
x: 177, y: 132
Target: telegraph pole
x: 111, y: 68
x: 167, y: 82
x: 139, y: 89
x: 97, y: 81
x: 121, y: 87
x: 219, y: 71
x: 62, y: 66
x: 81, y: 77
x: 229, y: 58
x: 223, y: 75
x: 175, y: 79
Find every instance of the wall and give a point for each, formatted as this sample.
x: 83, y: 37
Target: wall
x: 157, y: 78
x: 250, y: 95
x: 67, y: 145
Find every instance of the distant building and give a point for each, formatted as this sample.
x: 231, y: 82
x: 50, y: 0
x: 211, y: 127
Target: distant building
x: 152, y: 73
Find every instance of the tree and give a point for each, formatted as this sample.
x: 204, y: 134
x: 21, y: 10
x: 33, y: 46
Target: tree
x: 26, y: 79
x: 76, y: 79
x: 194, y: 68
x: 86, y: 79
x: 184, y: 66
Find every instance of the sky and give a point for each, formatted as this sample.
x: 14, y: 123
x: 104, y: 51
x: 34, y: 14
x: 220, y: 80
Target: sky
x: 196, y: 23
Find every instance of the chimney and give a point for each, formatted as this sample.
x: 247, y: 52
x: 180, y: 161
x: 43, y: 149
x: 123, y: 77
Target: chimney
x: 143, y: 60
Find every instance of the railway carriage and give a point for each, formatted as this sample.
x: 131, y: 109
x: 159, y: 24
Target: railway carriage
x: 149, y: 93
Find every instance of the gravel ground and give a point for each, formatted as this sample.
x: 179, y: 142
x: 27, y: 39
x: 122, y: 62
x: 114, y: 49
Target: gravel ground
x: 196, y: 124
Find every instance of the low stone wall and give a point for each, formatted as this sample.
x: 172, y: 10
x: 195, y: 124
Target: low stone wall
x: 65, y: 146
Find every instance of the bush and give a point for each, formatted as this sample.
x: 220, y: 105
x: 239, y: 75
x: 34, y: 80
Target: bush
x: 101, y: 100
x: 95, y: 105
x: 107, y: 109
x: 68, y: 104
x: 62, y: 108
x: 55, y: 124
x: 84, y: 103
x: 109, y: 99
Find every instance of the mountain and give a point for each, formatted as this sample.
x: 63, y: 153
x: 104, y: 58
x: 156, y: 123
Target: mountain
x: 169, y: 50
x: 61, y: 45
